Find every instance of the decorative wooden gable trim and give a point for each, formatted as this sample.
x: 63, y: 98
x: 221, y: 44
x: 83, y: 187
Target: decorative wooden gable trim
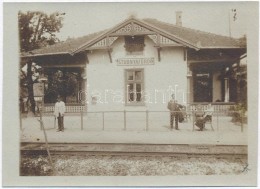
x: 111, y: 40
x: 132, y: 29
x: 163, y: 41
x: 103, y: 43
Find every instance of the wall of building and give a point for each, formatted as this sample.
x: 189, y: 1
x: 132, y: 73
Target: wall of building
x: 106, y: 81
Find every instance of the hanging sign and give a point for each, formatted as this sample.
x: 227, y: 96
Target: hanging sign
x: 134, y: 61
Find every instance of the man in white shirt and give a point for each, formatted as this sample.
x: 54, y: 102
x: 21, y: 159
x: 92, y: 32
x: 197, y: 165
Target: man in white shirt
x: 59, y: 112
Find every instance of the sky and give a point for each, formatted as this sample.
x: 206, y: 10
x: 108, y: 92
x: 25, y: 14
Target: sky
x: 85, y: 18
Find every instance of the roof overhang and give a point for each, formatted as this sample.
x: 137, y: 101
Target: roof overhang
x: 45, y: 54
x: 150, y: 30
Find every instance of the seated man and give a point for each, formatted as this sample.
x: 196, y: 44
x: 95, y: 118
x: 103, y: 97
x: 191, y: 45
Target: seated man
x: 202, y: 117
x: 199, y: 117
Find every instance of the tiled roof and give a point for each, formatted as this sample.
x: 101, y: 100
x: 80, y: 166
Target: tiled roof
x: 196, y: 38
x: 65, y: 47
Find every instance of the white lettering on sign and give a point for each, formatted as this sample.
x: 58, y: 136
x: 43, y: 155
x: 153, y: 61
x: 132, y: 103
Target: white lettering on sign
x: 135, y: 61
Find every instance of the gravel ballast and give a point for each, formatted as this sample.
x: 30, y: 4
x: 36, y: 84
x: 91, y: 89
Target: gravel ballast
x: 111, y: 165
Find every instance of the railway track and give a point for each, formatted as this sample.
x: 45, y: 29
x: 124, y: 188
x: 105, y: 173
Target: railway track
x: 176, y: 150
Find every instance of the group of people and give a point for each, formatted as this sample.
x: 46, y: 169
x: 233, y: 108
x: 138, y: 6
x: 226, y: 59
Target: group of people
x: 176, y: 114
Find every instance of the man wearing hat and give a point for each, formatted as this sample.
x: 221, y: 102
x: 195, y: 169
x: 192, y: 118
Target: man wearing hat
x: 59, y: 111
x: 174, y: 108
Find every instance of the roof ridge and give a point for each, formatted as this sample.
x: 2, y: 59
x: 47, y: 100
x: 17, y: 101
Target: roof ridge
x: 195, y: 38
x: 191, y: 29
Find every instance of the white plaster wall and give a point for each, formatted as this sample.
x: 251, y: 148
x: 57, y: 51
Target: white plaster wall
x: 105, y: 77
x: 216, y: 87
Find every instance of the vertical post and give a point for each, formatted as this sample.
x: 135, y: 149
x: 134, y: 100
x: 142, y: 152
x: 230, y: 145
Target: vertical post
x: 103, y: 118
x: 147, y: 120
x: 21, y: 127
x: 189, y: 79
x: 81, y: 119
x: 54, y: 122
x: 41, y: 119
x: 193, y: 115
x: 46, y: 140
x: 226, y: 80
x: 217, y: 119
x: 241, y: 117
x: 124, y: 120
x: 238, y: 81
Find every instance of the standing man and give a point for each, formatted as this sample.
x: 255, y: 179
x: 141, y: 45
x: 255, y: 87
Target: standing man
x: 59, y: 113
x: 175, y: 108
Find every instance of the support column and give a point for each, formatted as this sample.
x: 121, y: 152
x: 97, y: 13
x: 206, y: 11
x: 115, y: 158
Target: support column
x: 83, y: 87
x: 189, y: 77
x: 158, y: 43
x: 226, y: 90
x: 238, y: 82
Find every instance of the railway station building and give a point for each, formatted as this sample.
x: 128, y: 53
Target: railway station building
x: 139, y: 63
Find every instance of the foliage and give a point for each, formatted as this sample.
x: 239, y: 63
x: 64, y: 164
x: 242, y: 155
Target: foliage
x: 238, y: 76
x: 29, y: 75
x: 37, y: 29
x: 61, y: 83
x: 35, y: 166
x: 238, y: 113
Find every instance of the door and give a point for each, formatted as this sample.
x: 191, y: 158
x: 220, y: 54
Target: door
x: 203, y: 87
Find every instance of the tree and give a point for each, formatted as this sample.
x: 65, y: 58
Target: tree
x: 63, y: 83
x: 36, y: 30
x: 29, y: 74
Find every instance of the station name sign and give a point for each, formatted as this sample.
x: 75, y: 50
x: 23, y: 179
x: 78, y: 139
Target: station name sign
x: 135, y: 61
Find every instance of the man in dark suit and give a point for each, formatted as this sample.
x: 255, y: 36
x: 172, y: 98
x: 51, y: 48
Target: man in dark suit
x: 175, y: 110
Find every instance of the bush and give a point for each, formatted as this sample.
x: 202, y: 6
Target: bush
x: 238, y: 113
x: 35, y: 166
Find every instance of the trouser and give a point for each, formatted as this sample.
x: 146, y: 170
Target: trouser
x: 200, y: 122
x: 174, y: 115
x: 60, y: 123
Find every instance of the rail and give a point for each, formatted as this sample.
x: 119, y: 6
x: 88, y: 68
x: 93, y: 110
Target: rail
x: 147, y: 118
x: 221, y: 107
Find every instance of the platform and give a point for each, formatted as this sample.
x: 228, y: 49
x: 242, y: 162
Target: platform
x: 223, y: 134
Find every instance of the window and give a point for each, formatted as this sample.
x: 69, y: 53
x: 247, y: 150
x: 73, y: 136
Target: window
x: 134, y: 45
x: 134, y: 86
